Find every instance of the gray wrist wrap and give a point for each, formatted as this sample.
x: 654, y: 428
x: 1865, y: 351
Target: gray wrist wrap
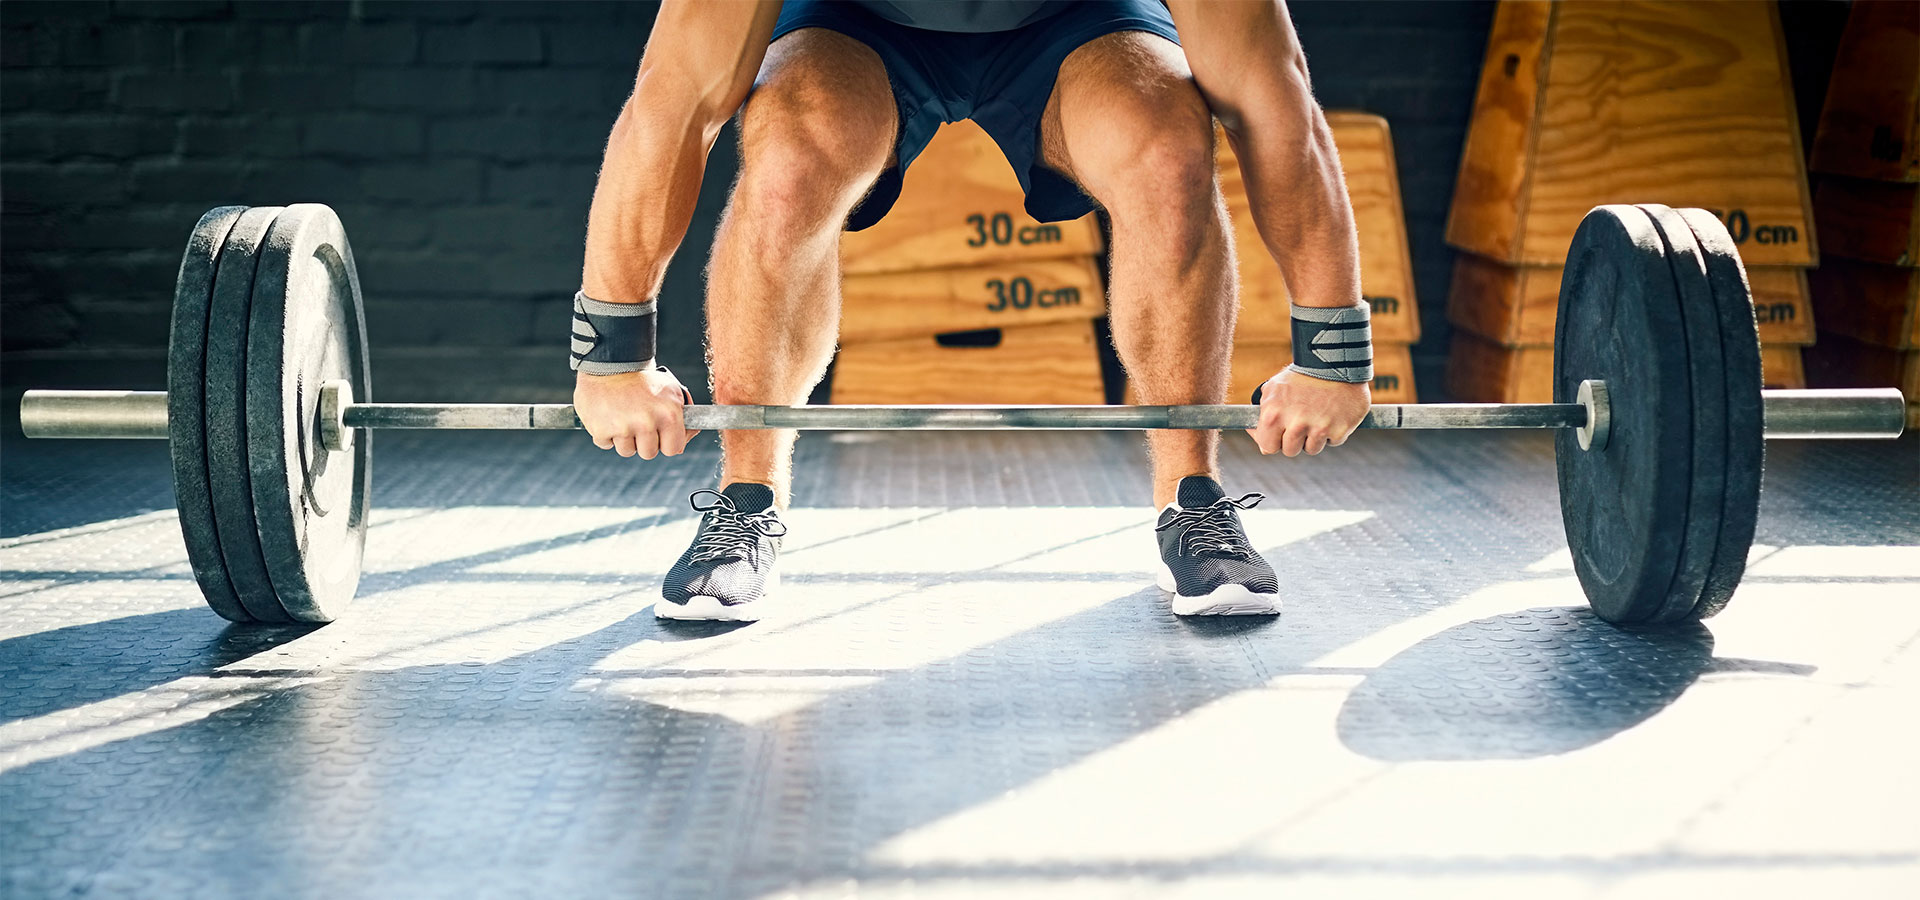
x: 611, y: 338
x: 1334, y: 344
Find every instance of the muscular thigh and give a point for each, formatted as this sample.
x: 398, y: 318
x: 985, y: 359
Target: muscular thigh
x: 1116, y: 97
x: 821, y: 92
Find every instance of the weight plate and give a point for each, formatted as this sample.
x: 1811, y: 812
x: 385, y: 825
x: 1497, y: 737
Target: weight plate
x: 227, y: 468
x: 1746, y: 444
x: 1706, y: 372
x: 1624, y: 506
x: 307, y: 328
x: 186, y: 411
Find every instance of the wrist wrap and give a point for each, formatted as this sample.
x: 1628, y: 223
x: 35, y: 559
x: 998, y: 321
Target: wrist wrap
x: 1334, y: 344
x: 611, y: 338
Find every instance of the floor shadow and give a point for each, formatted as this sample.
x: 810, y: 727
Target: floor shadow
x: 1525, y: 684
x: 50, y: 671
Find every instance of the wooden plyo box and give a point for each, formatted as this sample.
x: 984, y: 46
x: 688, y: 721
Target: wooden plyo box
x: 1386, y: 270
x: 1583, y: 104
x: 961, y: 205
x: 1517, y: 305
x: 1482, y: 371
x: 1876, y: 221
x: 1868, y: 302
x: 1032, y: 364
x: 893, y: 305
x: 1870, y: 123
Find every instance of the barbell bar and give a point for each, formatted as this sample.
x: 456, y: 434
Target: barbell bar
x: 1850, y: 413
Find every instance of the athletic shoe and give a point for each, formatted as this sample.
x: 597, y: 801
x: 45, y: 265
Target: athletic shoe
x: 1206, y: 561
x: 728, y: 572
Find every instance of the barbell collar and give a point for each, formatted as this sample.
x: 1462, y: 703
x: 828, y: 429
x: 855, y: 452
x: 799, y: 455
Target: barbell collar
x: 1824, y: 413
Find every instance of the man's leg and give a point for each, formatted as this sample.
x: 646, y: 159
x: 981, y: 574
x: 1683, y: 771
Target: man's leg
x: 1127, y: 123
x: 815, y: 133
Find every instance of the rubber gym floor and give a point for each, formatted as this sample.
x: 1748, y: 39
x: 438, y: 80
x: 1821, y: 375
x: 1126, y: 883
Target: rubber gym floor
x: 970, y: 687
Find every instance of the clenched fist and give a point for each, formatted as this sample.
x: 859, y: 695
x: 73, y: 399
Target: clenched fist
x: 634, y: 413
x: 1300, y: 412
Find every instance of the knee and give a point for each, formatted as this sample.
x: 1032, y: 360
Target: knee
x: 809, y: 150
x: 1160, y: 168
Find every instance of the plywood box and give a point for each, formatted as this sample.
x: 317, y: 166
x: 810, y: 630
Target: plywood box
x: 1876, y: 221
x: 1583, y: 104
x: 890, y: 305
x: 1781, y: 367
x: 1033, y: 364
x: 1868, y: 302
x: 961, y: 205
x: 1482, y: 371
x: 1870, y: 123
x: 1386, y: 270
x: 1518, y: 304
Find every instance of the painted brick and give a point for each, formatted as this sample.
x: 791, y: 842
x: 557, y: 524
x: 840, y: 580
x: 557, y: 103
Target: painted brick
x: 441, y: 181
x: 55, y: 90
x: 174, y: 91
x: 174, y: 180
x: 65, y: 138
x: 538, y: 183
x: 423, y: 322
x: 414, y: 89
x: 250, y: 136
x: 44, y: 186
x: 517, y: 138
x: 121, y: 44
x: 547, y: 91
x: 482, y: 43
x: 294, y: 92
x: 596, y: 45
x: 172, y: 9
x: 362, y: 135
x: 359, y: 43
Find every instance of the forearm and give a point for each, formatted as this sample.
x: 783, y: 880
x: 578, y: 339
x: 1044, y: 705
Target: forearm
x: 1248, y: 65
x: 698, y: 68
x: 649, y: 185
x: 1299, y: 200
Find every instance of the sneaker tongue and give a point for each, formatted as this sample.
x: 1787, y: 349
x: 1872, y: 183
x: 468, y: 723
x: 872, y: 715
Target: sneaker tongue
x: 1199, y: 490
x: 748, y: 497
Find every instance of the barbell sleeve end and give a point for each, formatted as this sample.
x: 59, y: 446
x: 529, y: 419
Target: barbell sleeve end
x: 94, y: 414
x: 1834, y: 413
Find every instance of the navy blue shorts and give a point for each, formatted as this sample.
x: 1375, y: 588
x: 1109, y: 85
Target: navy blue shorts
x: 1001, y: 80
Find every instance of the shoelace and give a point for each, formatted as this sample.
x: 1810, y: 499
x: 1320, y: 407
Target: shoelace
x: 730, y: 533
x: 1212, y: 529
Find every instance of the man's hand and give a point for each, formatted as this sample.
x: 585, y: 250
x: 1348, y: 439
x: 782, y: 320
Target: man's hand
x: 634, y: 413
x: 1300, y: 412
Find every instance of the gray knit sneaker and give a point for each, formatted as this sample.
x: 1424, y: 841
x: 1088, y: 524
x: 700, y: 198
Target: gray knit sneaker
x: 728, y: 571
x: 1206, y: 561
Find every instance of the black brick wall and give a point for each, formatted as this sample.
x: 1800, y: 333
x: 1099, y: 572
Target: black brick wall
x: 458, y: 141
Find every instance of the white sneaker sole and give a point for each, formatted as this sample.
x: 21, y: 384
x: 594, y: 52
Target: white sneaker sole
x: 1225, y: 600
x: 702, y: 608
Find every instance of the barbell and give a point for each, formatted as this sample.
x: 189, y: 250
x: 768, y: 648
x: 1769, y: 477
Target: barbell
x: 1659, y: 413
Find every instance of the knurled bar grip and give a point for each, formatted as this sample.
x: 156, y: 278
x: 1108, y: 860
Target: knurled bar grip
x: 1837, y: 413
x: 960, y: 418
